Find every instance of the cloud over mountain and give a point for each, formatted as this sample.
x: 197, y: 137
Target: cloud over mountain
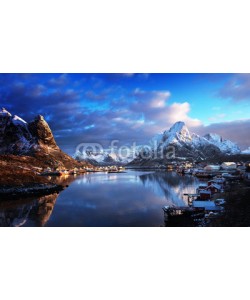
x: 102, y: 107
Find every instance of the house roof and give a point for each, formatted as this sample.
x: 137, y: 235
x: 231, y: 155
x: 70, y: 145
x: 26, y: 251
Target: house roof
x: 217, y: 186
x: 205, y: 192
x: 203, y: 204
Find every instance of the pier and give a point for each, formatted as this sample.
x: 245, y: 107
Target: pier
x: 200, y: 207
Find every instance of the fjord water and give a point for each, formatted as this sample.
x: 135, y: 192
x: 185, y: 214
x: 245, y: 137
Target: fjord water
x: 133, y: 198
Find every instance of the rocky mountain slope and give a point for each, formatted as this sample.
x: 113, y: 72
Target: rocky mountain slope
x: 35, y: 139
x: 178, y: 142
x: 26, y: 149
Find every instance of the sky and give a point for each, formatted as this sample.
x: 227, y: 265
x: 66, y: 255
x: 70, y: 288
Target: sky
x: 130, y: 107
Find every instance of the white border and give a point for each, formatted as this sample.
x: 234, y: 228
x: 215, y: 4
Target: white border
x: 124, y: 36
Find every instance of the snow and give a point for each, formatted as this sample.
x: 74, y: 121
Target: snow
x: 114, y: 156
x: 179, y: 135
x: 225, y: 146
x: 155, y: 141
x: 213, y: 137
x: 23, y: 139
x: 199, y: 141
x: 178, y: 127
x: 247, y: 151
x: 4, y: 112
x: 103, y: 157
x: 18, y: 121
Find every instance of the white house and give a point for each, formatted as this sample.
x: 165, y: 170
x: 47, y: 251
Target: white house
x: 212, y: 168
x: 229, y: 165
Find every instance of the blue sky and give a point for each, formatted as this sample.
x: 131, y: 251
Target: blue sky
x: 130, y: 107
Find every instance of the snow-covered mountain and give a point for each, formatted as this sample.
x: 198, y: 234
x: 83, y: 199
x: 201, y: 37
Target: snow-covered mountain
x: 185, y: 145
x: 102, y: 158
x: 17, y: 137
x: 179, y: 135
x: 225, y: 146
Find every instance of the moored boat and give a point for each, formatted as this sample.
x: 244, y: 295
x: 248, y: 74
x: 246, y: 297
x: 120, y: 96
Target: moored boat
x: 203, y: 175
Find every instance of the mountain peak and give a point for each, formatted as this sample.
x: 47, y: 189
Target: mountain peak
x: 19, y: 137
x: 4, y: 112
x: 39, y: 118
x: 34, y: 139
x: 40, y: 129
x: 177, y: 127
x: 179, y: 131
x: 186, y: 145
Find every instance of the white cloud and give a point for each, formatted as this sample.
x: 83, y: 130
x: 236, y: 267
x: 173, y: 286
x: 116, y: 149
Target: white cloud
x: 158, y: 114
x: 159, y: 99
x: 179, y: 112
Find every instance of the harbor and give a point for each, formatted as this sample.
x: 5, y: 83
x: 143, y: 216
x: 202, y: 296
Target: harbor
x: 208, y: 200
x: 81, y: 170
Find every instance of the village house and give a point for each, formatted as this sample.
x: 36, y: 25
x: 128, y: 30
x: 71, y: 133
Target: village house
x: 229, y: 166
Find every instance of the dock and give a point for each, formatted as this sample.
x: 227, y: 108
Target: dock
x: 197, y: 207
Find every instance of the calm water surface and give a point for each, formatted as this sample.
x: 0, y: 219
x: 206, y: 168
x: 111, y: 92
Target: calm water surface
x: 134, y: 198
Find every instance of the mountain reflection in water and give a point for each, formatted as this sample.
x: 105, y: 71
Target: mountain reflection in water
x: 30, y: 212
x: 171, y: 186
x: 133, y: 198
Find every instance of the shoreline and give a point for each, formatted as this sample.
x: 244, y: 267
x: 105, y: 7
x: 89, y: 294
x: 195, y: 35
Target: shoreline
x: 20, y: 176
x: 8, y: 192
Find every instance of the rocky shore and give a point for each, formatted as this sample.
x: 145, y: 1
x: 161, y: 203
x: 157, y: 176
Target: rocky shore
x: 28, y: 190
x: 20, y: 177
x: 27, y: 150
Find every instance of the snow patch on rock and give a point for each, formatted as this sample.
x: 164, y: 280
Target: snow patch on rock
x: 246, y: 151
x: 4, y: 112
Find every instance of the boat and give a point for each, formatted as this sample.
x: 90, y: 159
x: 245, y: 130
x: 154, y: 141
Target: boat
x: 204, y: 175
